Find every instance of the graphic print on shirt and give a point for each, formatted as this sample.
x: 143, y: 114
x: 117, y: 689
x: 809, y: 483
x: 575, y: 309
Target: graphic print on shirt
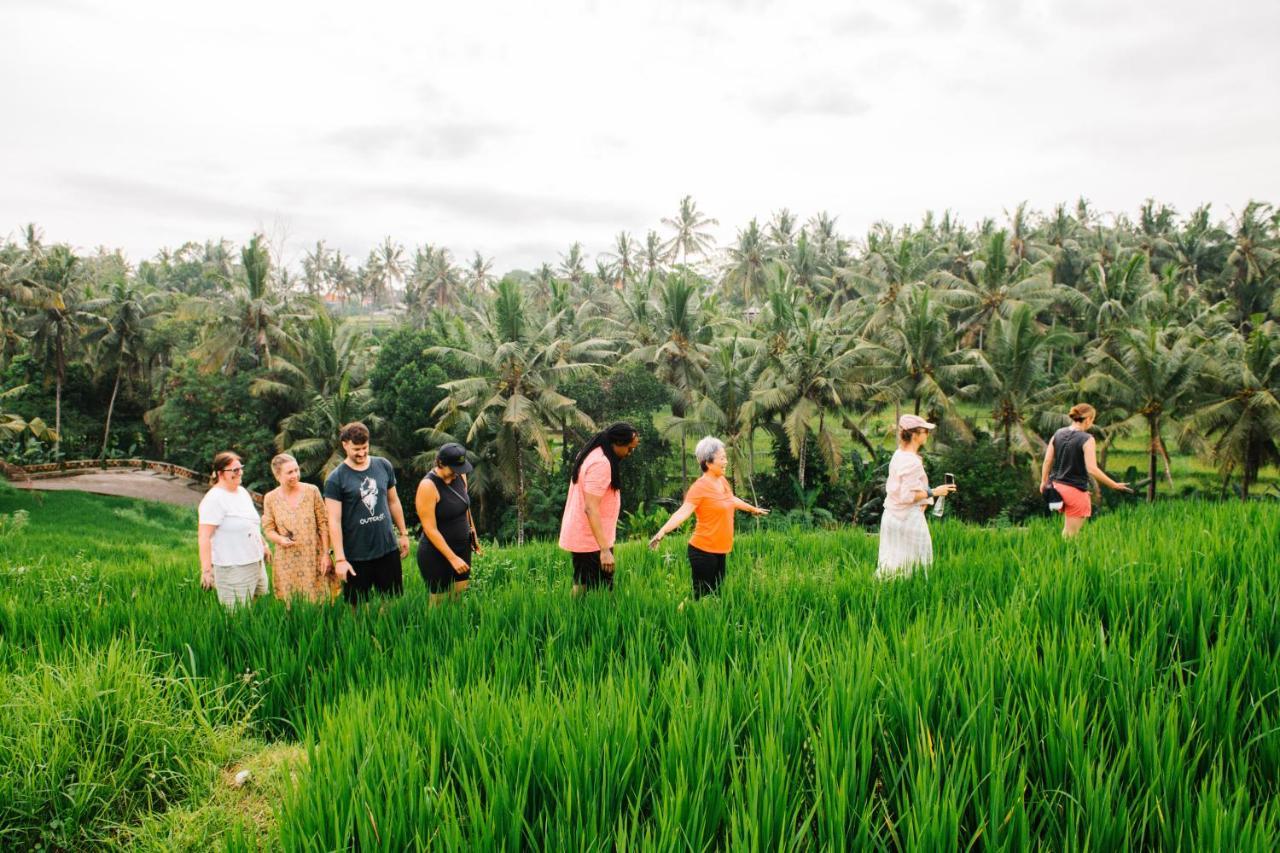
x: 369, y: 493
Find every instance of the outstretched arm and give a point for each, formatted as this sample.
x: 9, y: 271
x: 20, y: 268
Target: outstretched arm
x: 1091, y: 463
x: 679, y: 517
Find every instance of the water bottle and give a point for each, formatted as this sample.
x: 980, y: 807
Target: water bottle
x: 939, y: 503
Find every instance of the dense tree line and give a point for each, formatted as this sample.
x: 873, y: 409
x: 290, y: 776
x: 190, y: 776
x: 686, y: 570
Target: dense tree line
x: 1166, y: 323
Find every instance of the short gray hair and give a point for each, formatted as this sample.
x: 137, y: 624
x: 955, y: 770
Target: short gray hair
x: 707, y: 449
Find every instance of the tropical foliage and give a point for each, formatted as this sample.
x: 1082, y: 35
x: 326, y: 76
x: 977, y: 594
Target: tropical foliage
x: 794, y: 334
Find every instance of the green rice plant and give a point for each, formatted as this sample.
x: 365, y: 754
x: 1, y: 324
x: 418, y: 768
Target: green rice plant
x: 96, y: 738
x: 1117, y: 690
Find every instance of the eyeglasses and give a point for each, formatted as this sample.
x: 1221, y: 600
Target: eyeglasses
x: 239, y: 470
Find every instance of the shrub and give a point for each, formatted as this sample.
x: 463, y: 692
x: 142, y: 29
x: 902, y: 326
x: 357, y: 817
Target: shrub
x: 987, y: 487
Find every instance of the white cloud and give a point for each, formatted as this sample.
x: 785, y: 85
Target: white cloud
x: 517, y: 128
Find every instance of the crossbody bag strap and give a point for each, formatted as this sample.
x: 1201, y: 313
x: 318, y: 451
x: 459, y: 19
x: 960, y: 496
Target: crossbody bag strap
x: 471, y: 524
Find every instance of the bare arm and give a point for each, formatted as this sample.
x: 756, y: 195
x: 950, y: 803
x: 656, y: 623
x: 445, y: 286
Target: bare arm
x: 397, y: 516
x: 1047, y: 466
x: 679, y: 517
x: 206, y: 554
x: 322, y: 526
x: 424, y: 501
x: 1091, y: 464
x: 340, y: 563
x: 739, y: 503
x: 591, y: 504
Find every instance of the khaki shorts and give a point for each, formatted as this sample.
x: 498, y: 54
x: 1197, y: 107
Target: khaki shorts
x: 240, y: 584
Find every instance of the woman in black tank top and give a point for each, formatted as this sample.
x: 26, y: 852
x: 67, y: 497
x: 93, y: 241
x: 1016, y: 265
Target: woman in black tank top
x: 448, y: 536
x: 1069, y: 461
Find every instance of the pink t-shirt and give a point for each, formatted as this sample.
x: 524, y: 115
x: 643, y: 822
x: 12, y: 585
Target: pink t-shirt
x: 593, y: 477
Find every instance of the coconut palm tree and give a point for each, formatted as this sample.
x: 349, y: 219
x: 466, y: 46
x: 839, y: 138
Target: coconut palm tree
x: 1200, y: 250
x: 691, y: 236
x: 1015, y: 377
x: 573, y: 266
x: 250, y: 322
x: 434, y: 281
x: 326, y: 389
x: 311, y: 434
x: 804, y: 266
x: 998, y: 284
x: 822, y: 234
x: 1237, y: 417
x: 121, y: 337
x: 1155, y: 230
x: 1252, y: 276
x: 623, y: 262
x: 747, y: 270
x: 782, y: 233
x: 721, y: 406
x: 891, y: 268
x: 1112, y: 294
x: 20, y: 291
x: 479, y: 273
x: 315, y: 269
x: 343, y: 280
x: 914, y: 359
x: 1022, y: 246
x: 681, y: 350
x: 813, y: 378
x: 57, y: 326
x: 1150, y: 374
x: 391, y: 268
x: 509, y: 404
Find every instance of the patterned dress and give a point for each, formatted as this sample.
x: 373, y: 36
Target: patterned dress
x: 297, y: 569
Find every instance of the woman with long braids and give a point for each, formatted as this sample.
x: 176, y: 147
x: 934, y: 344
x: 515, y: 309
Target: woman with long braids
x: 590, y: 521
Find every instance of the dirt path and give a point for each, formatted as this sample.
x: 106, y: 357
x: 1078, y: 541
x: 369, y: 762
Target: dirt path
x: 125, y: 483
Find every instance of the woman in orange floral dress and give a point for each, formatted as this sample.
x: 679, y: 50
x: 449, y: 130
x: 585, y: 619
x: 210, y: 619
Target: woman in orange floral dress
x: 294, y: 518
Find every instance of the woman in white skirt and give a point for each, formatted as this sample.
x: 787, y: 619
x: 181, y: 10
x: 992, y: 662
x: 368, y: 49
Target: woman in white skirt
x: 904, y: 535
x: 232, y: 549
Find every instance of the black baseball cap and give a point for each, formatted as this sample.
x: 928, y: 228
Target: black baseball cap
x: 454, y: 455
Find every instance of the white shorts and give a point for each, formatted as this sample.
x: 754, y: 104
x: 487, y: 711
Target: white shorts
x: 239, y: 584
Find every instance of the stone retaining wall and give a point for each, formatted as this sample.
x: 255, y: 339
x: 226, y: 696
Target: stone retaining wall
x: 63, y: 469
x: 52, y: 470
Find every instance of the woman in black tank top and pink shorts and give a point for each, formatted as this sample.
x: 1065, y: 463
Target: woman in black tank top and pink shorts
x: 1069, y: 461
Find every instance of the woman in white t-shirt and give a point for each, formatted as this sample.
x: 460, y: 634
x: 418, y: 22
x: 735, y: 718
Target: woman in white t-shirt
x: 232, y: 549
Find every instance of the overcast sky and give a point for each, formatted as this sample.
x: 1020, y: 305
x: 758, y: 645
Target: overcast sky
x: 516, y: 128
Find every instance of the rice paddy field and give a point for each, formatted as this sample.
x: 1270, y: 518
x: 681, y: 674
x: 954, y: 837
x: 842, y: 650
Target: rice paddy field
x: 1117, y: 692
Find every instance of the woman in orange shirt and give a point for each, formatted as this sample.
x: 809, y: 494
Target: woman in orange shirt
x: 711, y: 499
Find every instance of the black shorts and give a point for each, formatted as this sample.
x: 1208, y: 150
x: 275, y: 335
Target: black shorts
x: 382, y: 574
x: 436, y: 571
x: 587, y: 571
x: 707, y: 570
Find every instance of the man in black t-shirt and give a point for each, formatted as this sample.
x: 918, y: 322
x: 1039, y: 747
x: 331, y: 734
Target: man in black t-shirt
x: 366, y: 520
